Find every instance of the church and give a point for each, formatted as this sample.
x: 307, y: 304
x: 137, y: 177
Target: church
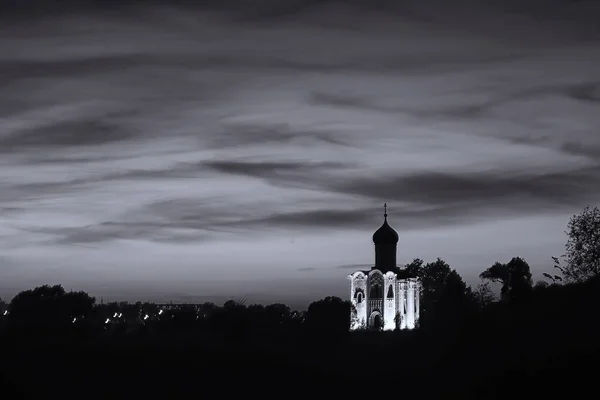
x: 384, y: 297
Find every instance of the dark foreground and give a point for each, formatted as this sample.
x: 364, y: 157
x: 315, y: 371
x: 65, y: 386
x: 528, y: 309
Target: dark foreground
x: 546, y: 347
x: 381, y: 365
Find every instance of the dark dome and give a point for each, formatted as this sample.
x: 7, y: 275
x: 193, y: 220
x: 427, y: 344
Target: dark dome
x: 385, y: 234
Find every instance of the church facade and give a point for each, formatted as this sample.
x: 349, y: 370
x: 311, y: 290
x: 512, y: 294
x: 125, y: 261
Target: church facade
x: 384, y: 297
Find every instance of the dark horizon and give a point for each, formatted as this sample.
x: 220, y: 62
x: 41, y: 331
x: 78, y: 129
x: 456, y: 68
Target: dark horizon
x: 154, y: 150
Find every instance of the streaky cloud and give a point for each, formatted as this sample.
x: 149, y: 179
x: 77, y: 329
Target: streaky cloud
x: 240, y: 135
x: 275, y: 170
x: 492, y: 189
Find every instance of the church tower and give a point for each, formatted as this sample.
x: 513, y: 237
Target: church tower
x: 386, y: 242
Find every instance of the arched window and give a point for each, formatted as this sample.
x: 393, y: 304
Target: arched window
x: 376, y: 292
x: 359, y: 295
x: 390, y: 293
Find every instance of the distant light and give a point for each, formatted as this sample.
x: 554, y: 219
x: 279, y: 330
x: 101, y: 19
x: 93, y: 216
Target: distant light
x: 5, y: 312
x: 74, y: 319
x: 107, y: 321
x: 120, y: 315
x: 146, y: 317
x: 160, y: 312
x: 115, y: 316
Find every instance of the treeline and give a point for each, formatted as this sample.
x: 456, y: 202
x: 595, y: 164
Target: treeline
x: 446, y: 300
x: 52, y: 310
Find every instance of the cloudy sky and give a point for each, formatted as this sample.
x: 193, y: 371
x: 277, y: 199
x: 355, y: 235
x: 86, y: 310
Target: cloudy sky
x: 245, y: 150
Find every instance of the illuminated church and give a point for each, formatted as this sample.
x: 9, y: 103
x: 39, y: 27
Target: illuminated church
x: 384, y: 297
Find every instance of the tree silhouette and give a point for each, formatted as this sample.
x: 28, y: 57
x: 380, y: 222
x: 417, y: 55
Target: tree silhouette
x: 483, y: 294
x: 233, y: 319
x: 515, y: 277
x: 444, y: 293
x: 276, y: 314
x: 583, y: 246
x: 539, y: 285
x: 329, y: 315
x: 3, y: 307
x: 413, y: 269
x: 49, y: 307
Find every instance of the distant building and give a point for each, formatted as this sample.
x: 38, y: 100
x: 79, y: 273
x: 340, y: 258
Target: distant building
x: 384, y: 297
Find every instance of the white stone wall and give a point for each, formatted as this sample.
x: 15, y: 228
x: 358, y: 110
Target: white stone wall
x: 358, y: 283
x: 389, y: 311
x: 410, y: 305
x: 417, y: 302
x: 402, y: 303
x: 405, y: 302
x: 375, y: 304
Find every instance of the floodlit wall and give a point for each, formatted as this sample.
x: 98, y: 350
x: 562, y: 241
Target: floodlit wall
x: 358, y: 299
x: 398, y: 307
x: 410, y: 305
x: 389, y: 307
x: 402, y: 303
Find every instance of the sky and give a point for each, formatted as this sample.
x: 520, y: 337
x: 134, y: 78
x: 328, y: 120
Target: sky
x: 245, y: 149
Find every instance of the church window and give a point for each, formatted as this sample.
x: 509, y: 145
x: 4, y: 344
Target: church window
x: 359, y: 295
x: 390, y: 293
x: 376, y: 291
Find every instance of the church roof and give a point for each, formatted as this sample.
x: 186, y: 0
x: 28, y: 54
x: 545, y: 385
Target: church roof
x: 401, y: 273
x: 385, y: 234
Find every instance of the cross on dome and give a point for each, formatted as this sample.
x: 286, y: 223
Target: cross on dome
x: 385, y: 234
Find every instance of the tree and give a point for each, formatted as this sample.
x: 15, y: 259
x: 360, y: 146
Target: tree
x: 49, y: 307
x: 483, y: 294
x: 398, y: 320
x: 515, y: 277
x: 414, y: 268
x: 354, y: 321
x: 444, y: 293
x: 277, y: 314
x: 2, y: 308
x: 329, y: 315
x: 583, y: 246
x: 540, y: 285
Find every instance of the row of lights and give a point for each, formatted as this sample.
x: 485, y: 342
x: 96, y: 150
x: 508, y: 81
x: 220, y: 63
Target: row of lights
x: 119, y: 315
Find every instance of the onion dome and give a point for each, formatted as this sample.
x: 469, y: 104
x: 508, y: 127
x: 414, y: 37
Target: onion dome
x: 385, y: 234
